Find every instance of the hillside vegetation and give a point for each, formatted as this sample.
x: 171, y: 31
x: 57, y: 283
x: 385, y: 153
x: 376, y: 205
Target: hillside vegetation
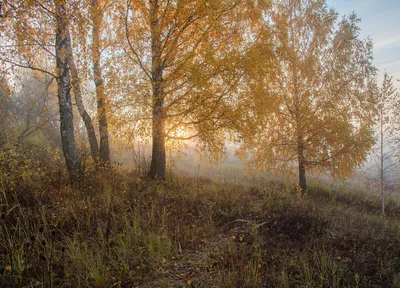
x: 117, y: 229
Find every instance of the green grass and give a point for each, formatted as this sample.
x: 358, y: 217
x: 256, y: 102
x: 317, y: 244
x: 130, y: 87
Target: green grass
x: 120, y: 230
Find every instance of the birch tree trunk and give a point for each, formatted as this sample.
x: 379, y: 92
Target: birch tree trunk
x: 158, y: 159
x: 302, y: 168
x: 76, y: 85
x: 102, y: 104
x: 301, y: 158
x: 64, y: 97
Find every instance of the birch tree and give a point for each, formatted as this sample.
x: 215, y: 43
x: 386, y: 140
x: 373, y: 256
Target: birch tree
x: 96, y: 17
x: 33, y: 31
x: 385, y: 175
x: 324, y: 92
x: 77, y: 89
x: 64, y: 97
x: 187, y: 52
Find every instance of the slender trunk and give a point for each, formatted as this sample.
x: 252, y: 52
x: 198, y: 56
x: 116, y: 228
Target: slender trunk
x: 76, y: 85
x: 301, y: 149
x: 301, y: 159
x: 158, y: 159
x: 64, y: 97
x: 102, y: 104
x: 302, y: 168
x: 382, y: 156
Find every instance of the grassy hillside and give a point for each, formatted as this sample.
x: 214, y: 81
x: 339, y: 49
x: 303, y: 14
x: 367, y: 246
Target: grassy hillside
x: 120, y: 230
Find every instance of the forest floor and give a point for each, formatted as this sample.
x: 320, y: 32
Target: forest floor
x: 121, y: 230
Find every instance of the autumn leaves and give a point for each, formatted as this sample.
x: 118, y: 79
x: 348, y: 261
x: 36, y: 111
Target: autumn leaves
x: 324, y: 85
x: 288, y: 80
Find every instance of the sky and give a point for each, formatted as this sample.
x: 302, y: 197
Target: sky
x: 380, y: 21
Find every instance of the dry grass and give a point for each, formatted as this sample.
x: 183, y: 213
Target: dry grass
x: 121, y: 230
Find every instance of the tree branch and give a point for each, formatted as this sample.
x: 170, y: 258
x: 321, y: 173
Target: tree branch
x: 30, y: 67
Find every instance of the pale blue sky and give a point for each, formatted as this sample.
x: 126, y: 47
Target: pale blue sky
x: 379, y: 20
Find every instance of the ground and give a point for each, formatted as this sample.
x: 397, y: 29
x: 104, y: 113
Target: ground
x: 117, y: 229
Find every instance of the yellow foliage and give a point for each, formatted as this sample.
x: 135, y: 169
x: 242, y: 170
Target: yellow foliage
x: 322, y: 111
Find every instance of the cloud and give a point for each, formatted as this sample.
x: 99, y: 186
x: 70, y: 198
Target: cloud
x: 391, y: 64
x: 387, y: 42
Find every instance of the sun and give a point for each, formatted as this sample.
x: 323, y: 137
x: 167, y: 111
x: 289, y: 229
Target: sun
x: 179, y: 132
